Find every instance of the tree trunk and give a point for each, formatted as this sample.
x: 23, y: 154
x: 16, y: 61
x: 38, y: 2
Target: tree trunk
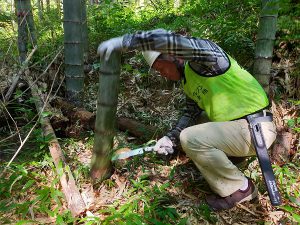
x: 281, y: 149
x: 106, y: 116
x: 25, y: 18
x: 137, y: 129
x: 22, y: 31
x: 74, y: 70
x: 265, y: 42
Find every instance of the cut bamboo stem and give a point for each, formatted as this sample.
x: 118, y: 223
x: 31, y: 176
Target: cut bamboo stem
x: 106, y: 116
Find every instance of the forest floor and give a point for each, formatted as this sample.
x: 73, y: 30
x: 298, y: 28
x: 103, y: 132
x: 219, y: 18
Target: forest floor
x: 150, y: 189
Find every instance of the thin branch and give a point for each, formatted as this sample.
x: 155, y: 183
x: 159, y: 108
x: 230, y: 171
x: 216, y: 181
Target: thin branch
x: 61, y: 82
x: 29, y: 31
x: 47, y: 68
x: 27, y: 89
x: 21, y: 146
x: 17, y: 77
x: 16, y: 133
x: 41, y: 60
x: 39, y: 117
x: 12, y: 120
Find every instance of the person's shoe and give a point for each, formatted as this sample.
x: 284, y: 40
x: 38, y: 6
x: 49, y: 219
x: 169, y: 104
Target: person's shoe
x: 218, y: 203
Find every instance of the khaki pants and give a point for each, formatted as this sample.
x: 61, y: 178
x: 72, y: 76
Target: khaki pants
x: 209, y: 144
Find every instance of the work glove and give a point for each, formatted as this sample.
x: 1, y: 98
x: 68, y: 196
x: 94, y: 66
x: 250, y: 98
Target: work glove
x: 107, y: 47
x: 164, y: 146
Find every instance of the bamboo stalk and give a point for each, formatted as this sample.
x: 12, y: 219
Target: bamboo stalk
x: 67, y: 181
x: 265, y: 42
x: 73, y: 49
x: 22, y: 31
x: 25, y: 19
x: 106, y: 116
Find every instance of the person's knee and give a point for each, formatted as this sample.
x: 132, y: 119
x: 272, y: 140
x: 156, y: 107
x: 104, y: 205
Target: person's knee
x: 183, y: 139
x: 187, y: 139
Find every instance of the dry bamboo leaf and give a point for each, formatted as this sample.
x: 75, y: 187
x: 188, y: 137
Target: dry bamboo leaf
x: 247, y: 209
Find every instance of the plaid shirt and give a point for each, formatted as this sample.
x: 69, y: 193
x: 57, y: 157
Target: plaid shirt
x: 204, y: 56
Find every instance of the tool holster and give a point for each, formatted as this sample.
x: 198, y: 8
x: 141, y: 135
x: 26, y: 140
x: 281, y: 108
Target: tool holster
x: 254, y: 121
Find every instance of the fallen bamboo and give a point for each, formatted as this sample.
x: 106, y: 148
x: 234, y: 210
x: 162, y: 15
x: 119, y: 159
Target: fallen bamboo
x: 69, y: 188
x: 86, y: 119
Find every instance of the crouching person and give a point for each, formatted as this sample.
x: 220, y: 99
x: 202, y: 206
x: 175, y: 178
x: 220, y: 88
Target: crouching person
x: 214, y: 83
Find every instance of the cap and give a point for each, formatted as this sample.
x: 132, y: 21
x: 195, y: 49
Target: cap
x: 150, y: 56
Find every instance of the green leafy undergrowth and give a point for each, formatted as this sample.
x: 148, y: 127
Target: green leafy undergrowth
x: 289, y: 184
x: 27, y: 193
x: 147, y: 205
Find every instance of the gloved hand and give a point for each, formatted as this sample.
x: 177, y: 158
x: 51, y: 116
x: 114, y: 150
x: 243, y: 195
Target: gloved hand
x: 105, y: 48
x: 164, y: 146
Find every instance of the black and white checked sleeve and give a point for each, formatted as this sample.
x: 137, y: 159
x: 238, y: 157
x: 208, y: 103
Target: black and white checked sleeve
x: 204, y: 56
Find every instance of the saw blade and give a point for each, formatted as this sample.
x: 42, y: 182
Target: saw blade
x: 133, y: 152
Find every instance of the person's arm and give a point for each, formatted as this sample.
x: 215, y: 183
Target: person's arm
x: 171, y: 141
x: 191, y: 114
x: 204, y: 55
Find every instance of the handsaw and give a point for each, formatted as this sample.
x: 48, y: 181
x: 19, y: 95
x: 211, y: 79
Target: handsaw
x: 133, y: 152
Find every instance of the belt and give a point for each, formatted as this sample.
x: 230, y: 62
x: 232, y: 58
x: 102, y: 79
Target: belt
x: 261, y: 116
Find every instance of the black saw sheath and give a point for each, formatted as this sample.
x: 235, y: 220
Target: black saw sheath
x: 263, y: 157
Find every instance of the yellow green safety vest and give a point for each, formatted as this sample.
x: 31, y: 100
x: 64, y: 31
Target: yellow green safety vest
x: 228, y: 96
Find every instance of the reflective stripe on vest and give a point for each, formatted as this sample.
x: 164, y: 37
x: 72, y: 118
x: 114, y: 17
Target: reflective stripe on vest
x: 227, y: 96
